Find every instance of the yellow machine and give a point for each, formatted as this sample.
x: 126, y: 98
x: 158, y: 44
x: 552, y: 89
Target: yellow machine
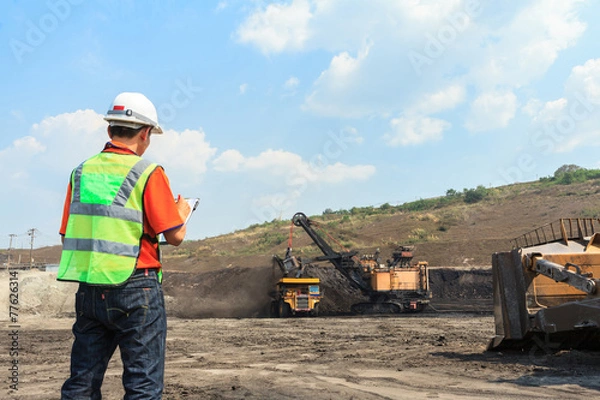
x: 385, y: 278
x: 298, y: 296
x: 546, y: 289
x: 295, y: 294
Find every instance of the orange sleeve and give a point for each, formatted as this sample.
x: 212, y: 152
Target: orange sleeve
x: 160, y: 215
x: 160, y: 210
x: 65, y: 215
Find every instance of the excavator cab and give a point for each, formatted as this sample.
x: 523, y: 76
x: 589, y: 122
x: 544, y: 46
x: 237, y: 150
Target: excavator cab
x: 546, y: 290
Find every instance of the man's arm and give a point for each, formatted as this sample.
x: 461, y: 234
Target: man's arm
x: 65, y: 214
x: 176, y: 235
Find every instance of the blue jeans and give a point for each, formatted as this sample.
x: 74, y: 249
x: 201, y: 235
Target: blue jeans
x: 132, y: 317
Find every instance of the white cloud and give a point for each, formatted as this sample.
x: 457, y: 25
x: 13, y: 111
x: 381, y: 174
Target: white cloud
x: 59, y: 143
x: 222, y: 5
x: 572, y: 121
x: 413, y: 130
x: 291, y: 84
x: 75, y: 124
x: 278, y: 163
x: 338, y: 81
x: 277, y: 179
x: 368, y: 73
x: 73, y: 136
x: 491, y: 110
x: 339, y: 172
x: 36, y: 167
x: 277, y: 160
x: 445, y: 99
x: 416, y: 126
x: 491, y: 49
x: 243, y: 88
x: 28, y: 145
x: 529, y: 44
x: 539, y: 111
x: 277, y: 28
x: 229, y: 160
x: 351, y: 135
x: 15, y: 160
x: 342, y: 68
x: 184, y: 155
x: 585, y: 81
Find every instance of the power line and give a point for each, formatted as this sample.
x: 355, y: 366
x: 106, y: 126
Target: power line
x: 12, y: 236
x: 31, y: 233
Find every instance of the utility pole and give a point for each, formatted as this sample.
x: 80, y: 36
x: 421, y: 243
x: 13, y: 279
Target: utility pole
x: 12, y: 236
x: 31, y: 233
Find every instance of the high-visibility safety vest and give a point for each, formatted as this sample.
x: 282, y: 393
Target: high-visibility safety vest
x: 105, y: 226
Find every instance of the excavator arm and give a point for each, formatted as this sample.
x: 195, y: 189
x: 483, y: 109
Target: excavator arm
x: 342, y: 261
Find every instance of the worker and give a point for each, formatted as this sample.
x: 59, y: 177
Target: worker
x: 116, y: 206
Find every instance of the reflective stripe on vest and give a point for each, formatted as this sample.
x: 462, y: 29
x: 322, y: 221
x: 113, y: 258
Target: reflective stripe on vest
x: 105, y: 226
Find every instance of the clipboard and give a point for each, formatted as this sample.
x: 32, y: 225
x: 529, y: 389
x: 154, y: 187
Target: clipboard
x: 193, y: 202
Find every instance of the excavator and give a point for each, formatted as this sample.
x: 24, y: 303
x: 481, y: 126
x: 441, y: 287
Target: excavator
x: 394, y: 287
x: 547, y: 288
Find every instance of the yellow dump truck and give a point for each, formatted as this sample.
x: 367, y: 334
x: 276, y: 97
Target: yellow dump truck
x: 295, y: 294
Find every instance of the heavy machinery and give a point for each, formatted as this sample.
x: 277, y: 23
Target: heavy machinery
x: 546, y: 290
x: 394, y: 287
x: 295, y: 294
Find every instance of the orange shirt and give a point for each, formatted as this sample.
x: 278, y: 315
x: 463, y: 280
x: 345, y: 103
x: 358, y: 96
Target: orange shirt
x: 160, y: 210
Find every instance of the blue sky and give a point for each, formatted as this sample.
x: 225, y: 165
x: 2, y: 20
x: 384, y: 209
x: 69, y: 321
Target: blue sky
x: 302, y: 105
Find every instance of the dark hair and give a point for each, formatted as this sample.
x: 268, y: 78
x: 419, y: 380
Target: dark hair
x: 124, y: 132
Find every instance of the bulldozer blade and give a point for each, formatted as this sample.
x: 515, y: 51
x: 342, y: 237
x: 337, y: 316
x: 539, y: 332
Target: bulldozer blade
x: 510, y: 308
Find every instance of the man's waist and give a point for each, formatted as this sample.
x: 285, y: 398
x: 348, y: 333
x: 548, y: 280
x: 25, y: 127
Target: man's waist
x: 146, y: 271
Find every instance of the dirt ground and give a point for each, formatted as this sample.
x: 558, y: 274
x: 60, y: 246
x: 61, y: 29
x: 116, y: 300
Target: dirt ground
x: 222, y: 345
x: 429, y: 356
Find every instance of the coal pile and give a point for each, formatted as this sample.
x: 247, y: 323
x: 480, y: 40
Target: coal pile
x: 461, y: 289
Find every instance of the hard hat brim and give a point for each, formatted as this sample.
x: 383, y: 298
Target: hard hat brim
x: 116, y: 121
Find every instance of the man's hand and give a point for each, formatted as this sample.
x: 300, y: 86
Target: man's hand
x: 175, y: 236
x: 184, y: 208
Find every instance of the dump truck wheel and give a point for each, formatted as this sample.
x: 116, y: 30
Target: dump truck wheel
x: 284, y: 309
x: 421, y: 307
x: 274, y: 310
x: 315, y: 311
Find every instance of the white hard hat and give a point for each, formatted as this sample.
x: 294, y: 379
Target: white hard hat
x: 133, y: 110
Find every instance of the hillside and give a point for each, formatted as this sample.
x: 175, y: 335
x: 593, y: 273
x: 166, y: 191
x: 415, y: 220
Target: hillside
x: 453, y: 234
x: 458, y: 234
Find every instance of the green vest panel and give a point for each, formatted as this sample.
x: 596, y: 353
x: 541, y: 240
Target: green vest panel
x: 105, y: 226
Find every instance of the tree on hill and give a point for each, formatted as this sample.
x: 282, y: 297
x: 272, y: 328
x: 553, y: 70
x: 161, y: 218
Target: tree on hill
x: 570, y: 173
x: 566, y: 169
